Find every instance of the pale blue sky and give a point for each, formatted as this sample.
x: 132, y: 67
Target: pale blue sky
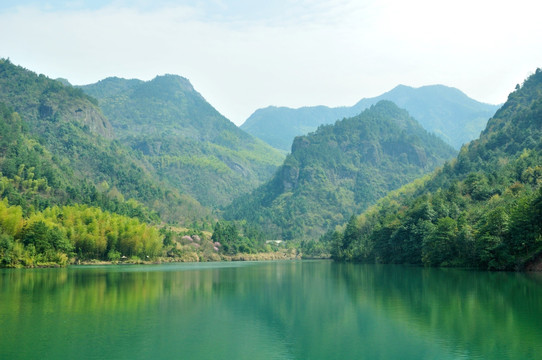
x: 217, y: 9
x: 242, y: 55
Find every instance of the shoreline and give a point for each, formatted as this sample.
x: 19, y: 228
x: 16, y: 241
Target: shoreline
x: 270, y: 256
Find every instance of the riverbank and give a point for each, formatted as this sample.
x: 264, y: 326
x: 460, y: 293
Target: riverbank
x: 290, y: 254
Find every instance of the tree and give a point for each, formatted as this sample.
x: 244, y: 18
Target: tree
x: 439, y: 248
x: 227, y: 234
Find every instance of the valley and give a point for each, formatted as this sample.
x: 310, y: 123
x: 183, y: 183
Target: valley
x: 142, y: 171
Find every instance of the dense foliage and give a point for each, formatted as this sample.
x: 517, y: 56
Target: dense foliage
x: 341, y: 169
x: 445, y: 111
x: 58, y: 234
x: 68, y: 150
x: 31, y: 177
x: 69, y: 192
x: 236, y: 238
x: 73, y: 187
x: 187, y: 143
x: 483, y: 209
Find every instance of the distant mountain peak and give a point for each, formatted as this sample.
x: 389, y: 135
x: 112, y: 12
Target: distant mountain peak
x: 194, y: 147
x: 167, y: 87
x: 182, y: 82
x: 339, y: 169
x: 402, y: 87
x: 64, y: 81
x: 442, y: 110
x: 481, y: 210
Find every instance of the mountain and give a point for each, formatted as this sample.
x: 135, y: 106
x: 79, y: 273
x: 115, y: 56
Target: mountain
x: 482, y: 209
x: 189, y: 144
x: 42, y: 101
x: 58, y: 149
x: 444, y: 111
x: 71, y: 190
x: 341, y: 169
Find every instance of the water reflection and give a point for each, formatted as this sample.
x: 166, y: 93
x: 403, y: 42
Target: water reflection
x: 473, y: 314
x: 281, y: 310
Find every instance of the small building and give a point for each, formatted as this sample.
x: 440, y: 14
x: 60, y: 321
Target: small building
x: 274, y: 242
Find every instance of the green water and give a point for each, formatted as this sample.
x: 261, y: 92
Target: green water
x: 269, y: 310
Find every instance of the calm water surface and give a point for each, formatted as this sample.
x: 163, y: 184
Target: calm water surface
x: 269, y: 310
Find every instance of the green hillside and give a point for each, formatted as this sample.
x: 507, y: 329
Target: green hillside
x: 189, y: 144
x: 59, y: 136
x: 70, y: 192
x: 483, y: 209
x: 442, y: 110
x: 341, y: 169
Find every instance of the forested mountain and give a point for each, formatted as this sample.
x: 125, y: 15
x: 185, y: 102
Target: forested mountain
x: 189, y: 144
x: 340, y: 169
x: 69, y: 192
x: 482, y: 209
x: 57, y: 149
x: 442, y: 110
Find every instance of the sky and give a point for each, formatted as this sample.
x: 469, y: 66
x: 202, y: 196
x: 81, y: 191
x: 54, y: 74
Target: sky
x: 242, y: 55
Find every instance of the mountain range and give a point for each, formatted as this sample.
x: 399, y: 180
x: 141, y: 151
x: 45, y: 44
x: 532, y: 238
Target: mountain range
x: 95, y: 171
x: 340, y: 169
x: 483, y: 209
x: 188, y: 143
x: 157, y: 142
x: 61, y: 137
x: 444, y: 111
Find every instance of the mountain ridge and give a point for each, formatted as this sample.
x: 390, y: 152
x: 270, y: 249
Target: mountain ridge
x: 278, y: 125
x: 75, y: 153
x: 188, y: 142
x: 482, y: 209
x: 338, y: 168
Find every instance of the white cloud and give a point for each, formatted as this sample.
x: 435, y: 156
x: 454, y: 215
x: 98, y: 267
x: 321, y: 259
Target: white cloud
x: 291, y: 52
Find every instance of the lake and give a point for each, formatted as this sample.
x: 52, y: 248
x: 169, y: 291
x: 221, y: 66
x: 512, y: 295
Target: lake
x: 269, y: 310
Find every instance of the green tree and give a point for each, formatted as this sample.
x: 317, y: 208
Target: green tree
x: 227, y: 234
x: 440, y: 247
